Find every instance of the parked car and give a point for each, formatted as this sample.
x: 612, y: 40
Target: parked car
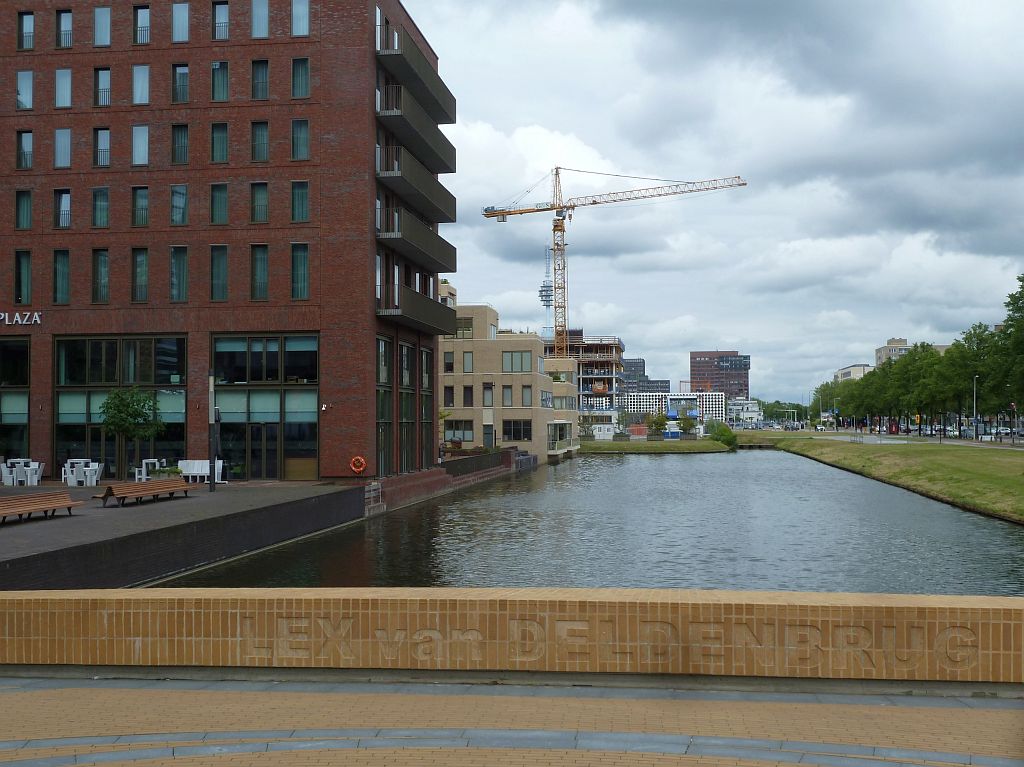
x: 820, y: 427
x: 1001, y: 431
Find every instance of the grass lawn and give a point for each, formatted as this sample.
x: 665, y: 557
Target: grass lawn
x: 667, y: 446
x: 984, y: 479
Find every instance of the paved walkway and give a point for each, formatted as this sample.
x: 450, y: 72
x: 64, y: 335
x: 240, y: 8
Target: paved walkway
x: 184, y: 723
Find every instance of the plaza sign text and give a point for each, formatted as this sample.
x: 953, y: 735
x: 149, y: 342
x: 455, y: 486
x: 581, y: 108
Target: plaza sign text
x: 21, y: 318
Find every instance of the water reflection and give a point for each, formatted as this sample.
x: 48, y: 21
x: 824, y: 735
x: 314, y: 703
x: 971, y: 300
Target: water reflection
x: 745, y: 521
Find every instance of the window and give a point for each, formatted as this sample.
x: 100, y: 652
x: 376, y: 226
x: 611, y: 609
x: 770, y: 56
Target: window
x: 179, y: 274
x: 140, y: 274
x: 449, y: 362
x: 300, y: 78
x: 527, y: 396
x: 24, y: 156
x: 101, y: 87
x: 101, y: 207
x: 260, y: 80
x: 300, y: 271
x: 62, y: 209
x: 64, y: 29
x: 101, y: 147
x: 467, y: 396
x: 260, y: 142
x: 61, y: 277
x: 300, y: 201
x: 258, y: 261
x: 140, y: 205
x: 62, y: 148
x: 140, y: 83
x: 179, y: 83
x: 506, y: 396
x: 23, y: 209
x: 26, y: 31
x: 179, y: 144
x: 300, y: 17
x: 101, y: 27
x: 219, y: 142
x: 140, y: 145
x: 516, y: 431
x: 179, y: 204
x: 218, y: 272
x: 448, y: 397
x: 218, y: 203
x: 258, y: 207
x: 100, y: 277
x: 546, y: 399
x: 25, y: 89
x: 300, y: 139
x: 260, y: 19
x: 488, y: 395
x: 458, y: 431
x: 140, y: 14
x: 22, y: 277
x: 219, y: 81
x: 62, y: 88
x: 467, y: 362
x: 179, y: 22
x: 427, y: 370
x: 516, y: 362
x: 220, y: 21
x: 464, y: 327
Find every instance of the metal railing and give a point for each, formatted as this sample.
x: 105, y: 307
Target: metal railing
x: 179, y: 94
x: 102, y: 98
x: 24, y: 160
x: 260, y: 89
x: 259, y: 214
x: 26, y: 41
x: 141, y: 36
x: 563, y: 444
x: 220, y: 30
x: 64, y: 38
x: 62, y: 219
x: 101, y: 158
x: 140, y: 216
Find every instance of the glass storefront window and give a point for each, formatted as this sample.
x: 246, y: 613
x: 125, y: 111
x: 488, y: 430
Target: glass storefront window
x: 300, y: 359
x: 300, y: 406
x: 13, y: 362
x: 229, y: 360
x: 264, y: 406
x: 72, y: 407
x: 170, y: 404
x: 71, y: 361
x: 234, y: 406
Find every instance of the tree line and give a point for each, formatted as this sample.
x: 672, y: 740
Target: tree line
x: 925, y: 386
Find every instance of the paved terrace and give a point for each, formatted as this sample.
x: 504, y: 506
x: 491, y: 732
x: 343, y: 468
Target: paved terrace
x: 196, y: 723
x: 93, y: 525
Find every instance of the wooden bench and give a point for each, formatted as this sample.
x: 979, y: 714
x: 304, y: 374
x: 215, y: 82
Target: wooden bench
x: 24, y: 506
x: 121, y: 491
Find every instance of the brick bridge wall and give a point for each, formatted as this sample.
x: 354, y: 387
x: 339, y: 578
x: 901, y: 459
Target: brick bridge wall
x: 778, y: 634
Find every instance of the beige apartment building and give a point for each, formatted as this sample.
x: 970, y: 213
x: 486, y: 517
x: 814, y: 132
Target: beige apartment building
x: 498, y: 390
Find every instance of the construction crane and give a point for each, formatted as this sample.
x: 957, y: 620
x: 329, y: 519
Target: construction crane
x: 564, y: 209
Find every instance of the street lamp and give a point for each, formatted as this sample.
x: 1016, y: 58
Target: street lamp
x: 975, y: 408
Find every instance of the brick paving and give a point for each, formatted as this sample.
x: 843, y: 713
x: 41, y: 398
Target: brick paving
x: 181, y: 722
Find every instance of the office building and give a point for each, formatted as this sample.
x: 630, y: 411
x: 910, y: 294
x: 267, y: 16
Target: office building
x: 721, y: 371
x: 243, y: 189
x: 852, y: 372
x: 498, y: 390
x: 600, y: 374
x: 635, y: 379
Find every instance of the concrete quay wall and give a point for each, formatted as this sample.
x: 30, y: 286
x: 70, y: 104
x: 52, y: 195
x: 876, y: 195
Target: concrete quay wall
x: 636, y: 631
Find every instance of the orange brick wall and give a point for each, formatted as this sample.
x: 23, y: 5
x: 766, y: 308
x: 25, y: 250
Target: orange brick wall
x: 841, y: 636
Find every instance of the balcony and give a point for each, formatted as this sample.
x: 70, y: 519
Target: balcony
x: 404, y: 175
x: 399, y: 54
x: 402, y: 114
x: 405, y: 234
x: 415, y: 310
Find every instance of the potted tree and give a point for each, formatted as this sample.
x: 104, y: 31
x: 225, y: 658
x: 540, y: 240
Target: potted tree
x: 131, y: 414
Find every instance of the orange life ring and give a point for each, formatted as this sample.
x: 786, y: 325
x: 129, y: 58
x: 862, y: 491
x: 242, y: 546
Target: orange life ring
x: 357, y: 464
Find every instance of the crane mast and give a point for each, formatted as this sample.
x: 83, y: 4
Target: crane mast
x: 563, y: 210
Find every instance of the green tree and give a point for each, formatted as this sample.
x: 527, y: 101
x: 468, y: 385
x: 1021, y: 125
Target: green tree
x: 719, y: 432
x: 131, y: 414
x: 656, y: 423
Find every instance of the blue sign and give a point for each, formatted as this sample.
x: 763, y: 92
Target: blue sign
x: 693, y: 413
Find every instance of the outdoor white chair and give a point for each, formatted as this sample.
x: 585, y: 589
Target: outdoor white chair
x: 7, y: 474
x: 90, y: 474
x: 20, y: 475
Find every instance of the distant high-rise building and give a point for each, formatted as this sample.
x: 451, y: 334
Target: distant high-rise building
x: 727, y: 372
x: 635, y: 378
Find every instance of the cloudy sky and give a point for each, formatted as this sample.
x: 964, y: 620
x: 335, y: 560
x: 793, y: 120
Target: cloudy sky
x: 883, y: 144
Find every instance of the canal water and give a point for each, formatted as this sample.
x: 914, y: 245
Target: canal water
x: 749, y: 520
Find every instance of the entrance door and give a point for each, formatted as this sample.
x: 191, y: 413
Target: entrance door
x: 488, y: 435
x: 102, y: 447
x: 263, y: 444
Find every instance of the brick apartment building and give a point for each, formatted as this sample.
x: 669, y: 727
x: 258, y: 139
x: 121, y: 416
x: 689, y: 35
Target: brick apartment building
x: 247, y: 187
x: 727, y: 372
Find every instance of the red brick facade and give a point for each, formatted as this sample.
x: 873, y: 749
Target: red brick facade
x: 340, y: 310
